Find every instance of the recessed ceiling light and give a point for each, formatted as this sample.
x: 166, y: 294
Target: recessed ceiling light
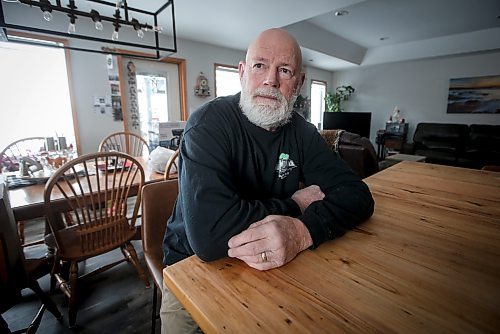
x: 341, y: 12
x: 384, y: 38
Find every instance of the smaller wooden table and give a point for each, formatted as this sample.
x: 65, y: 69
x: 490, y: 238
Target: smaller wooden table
x: 27, y: 202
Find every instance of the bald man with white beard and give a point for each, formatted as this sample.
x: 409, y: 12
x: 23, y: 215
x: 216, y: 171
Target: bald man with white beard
x: 243, y: 158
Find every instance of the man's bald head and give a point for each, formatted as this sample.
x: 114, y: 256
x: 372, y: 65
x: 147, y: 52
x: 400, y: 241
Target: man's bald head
x: 281, y: 41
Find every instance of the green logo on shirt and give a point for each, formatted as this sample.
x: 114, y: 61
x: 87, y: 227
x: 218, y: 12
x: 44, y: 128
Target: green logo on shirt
x: 284, y: 165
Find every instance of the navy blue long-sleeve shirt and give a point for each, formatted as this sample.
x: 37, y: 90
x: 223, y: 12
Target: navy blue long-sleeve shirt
x: 234, y: 173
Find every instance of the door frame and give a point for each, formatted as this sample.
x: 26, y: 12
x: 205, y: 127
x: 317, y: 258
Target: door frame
x: 181, y: 64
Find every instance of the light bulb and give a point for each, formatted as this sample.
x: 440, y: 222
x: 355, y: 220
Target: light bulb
x: 140, y: 33
x: 47, y: 16
x: 71, y: 28
x: 114, y: 37
x: 98, y: 25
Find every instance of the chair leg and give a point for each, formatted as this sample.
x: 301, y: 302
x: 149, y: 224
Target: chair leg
x: 4, y: 327
x: 46, y: 300
x: 55, y: 269
x: 72, y: 305
x: 32, y: 328
x: 153, y: 313
x: 131, y: 255
x: 20, y: 230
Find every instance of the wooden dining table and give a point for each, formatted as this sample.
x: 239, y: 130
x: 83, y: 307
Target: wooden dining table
x: 27, y: 202
x: 427, y: 261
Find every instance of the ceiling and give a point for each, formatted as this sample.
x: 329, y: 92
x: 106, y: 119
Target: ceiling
x: 373, y: 32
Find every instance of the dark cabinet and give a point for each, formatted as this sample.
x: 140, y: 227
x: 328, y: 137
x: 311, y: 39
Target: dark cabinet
x: 391, y: 139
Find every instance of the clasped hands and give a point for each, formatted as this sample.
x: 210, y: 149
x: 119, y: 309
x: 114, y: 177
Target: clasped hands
x: 275, y: 240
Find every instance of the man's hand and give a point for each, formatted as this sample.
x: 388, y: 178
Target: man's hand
x: 304, y: 197
x: 270, y: 242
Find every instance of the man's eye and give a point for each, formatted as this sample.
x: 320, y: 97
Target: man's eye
x: 258, y: 66
x: 285, y: 73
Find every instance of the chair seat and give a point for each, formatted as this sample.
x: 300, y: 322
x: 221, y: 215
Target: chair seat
x: 71, y: 245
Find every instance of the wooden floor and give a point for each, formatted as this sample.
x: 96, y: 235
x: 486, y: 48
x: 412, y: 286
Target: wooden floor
x: 115, y: 301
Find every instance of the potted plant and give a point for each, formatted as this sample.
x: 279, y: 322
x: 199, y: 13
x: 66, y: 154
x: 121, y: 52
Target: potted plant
x: 334, y: 118
x: 342, y: 93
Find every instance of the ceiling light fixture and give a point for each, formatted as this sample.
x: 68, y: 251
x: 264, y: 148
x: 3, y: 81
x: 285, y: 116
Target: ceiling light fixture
x: 96, y: 17
x: 341, y: 13
x: 141, y: 39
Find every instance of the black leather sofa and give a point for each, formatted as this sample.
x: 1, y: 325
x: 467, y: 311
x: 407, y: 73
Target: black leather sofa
x: 471, y: 146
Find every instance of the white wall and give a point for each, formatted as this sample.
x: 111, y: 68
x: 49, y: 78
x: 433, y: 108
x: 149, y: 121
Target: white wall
x: 90, y: 78
x: 418, y: 88
x: 89, y: 74
x: 201, y: 58
x: 313, y: 73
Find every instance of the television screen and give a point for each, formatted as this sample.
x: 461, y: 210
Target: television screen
x: 355, y: 122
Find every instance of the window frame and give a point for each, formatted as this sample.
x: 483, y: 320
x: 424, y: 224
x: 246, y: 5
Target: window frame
x: 319, y: 82
x: 68, y: 75
x: 216, y: 65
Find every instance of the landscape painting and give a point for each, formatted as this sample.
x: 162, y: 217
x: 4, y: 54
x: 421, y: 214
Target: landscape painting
x: 474, y: 95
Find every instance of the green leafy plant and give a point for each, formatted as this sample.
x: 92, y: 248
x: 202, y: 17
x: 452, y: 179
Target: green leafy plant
x: 342, y: 93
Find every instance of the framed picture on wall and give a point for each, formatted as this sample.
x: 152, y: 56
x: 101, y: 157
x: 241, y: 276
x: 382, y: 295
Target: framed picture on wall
x: 474, y: 95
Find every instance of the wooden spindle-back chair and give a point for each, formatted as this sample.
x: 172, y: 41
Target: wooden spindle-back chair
x: 94, y: 189
x: 125, y: 142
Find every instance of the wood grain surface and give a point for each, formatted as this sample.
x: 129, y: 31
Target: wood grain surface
x: 428, y: 261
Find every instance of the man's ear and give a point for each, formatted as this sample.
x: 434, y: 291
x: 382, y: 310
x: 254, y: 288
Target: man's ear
x: 300, y: 82
x: 241, y: 69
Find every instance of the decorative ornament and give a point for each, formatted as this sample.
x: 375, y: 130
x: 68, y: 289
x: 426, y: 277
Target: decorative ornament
x: 395, y: 117
x: 134, y: 106
x: 202, y: 88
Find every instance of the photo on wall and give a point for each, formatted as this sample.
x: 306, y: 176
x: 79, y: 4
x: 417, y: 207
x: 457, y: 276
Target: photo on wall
x: 475, y: 95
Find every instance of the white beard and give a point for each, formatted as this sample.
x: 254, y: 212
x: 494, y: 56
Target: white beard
x: 269, y: 115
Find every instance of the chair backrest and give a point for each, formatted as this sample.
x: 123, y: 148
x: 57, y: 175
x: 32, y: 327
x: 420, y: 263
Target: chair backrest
x: 94, y: 189
x: 357, y: 151
x: 125, y: 142
x: 158, y: 201
x: 172, y: 161
x: 10, y: 155
x: 12, y: 270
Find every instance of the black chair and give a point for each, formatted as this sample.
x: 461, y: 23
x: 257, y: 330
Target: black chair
x: 18, y: 272
x: 10, y: 158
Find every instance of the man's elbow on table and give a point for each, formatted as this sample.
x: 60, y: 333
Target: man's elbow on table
x: 208, y: 250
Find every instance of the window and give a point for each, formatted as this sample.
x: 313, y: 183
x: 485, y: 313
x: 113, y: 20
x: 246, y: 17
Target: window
x: 318, y: 92
x: 153, y: 105
x: 35, y: 98
x: 227, y: 80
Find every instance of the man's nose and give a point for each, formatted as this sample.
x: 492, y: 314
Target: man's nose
x: 271, y: 78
